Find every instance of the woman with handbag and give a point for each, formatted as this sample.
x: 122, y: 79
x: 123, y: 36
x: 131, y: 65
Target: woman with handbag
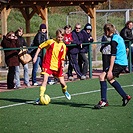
x: 22, y: 43
x: 11, y: 56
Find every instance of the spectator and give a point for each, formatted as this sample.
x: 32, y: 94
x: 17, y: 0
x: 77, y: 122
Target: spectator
x: 126, y: 34
x: 118, y: 63
x: 40, y: 37
x: 82, y: 58
x: 74, y: 50
x: 68, y: 40
x: 11, y: 56
x: 106, y: 51
x: 22, y: 42
x: 53, y: 62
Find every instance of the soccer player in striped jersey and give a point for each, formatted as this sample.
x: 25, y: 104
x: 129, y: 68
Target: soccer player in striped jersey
x: 53, y: 61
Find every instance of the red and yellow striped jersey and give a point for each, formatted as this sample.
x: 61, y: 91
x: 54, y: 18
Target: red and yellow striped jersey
x: 55, y: 53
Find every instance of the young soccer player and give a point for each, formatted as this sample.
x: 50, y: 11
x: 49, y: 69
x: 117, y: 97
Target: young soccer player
x: 118, y: 63
x: 53, y: 61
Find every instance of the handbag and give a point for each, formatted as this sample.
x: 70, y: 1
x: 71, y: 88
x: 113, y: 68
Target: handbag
x: 24, y: 56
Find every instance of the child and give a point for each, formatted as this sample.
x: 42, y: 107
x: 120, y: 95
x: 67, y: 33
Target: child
x: 68, y: 39
x: 53, y: 61
x: 118, y: 63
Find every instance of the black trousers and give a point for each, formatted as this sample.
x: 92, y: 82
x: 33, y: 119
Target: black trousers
x: 106, y: 61
x: 10, y: 77
x: 83, y: 63
x: 74, y: 65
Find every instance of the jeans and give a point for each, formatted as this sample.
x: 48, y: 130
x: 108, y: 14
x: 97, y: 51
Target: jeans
x: 83, y: 63
x: 35, y: 68
x: 17, y: 75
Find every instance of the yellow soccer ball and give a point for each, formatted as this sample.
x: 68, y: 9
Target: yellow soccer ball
x: 45, y: 100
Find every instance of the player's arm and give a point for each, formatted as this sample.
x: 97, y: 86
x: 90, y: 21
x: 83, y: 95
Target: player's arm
x: 40, y: 47
x: 113, y: 56
x: 36, y: 55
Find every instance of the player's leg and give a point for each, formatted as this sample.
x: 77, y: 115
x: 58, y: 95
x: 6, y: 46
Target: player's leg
x: 64, y: 88
x: 103, y: 102
x: 116, y: 71
x: 44, y: 83
x: 42, y: 88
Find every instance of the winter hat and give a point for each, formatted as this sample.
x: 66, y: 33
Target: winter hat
x: 42, y: 26
x: 88, y: 27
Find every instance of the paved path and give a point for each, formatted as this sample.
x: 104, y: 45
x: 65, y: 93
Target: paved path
x: 3, y: 85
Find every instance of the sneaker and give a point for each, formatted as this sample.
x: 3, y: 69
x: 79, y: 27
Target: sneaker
x: 83, y: 77
x: 37, y: 101
x: 101, y: 104
x: 17, y: 87
x: 51, y: 82
x: 125, y: 101
x: 35, y: 84
x: 67, y: 95
x: 71, y: 78
x: 28, y: 85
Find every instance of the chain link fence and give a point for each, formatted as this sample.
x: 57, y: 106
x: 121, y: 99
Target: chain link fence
x: 117, y: 17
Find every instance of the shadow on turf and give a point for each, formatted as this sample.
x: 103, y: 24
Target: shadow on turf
x: 81, y: 105
x: 15, y: 100
x: 71, y: 104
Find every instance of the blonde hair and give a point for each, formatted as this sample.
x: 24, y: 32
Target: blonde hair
x: 60, y: 31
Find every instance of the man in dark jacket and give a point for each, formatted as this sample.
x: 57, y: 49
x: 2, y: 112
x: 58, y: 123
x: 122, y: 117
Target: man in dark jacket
x: 126, y: 34
x: 74, y: 50
x: 82, y: 58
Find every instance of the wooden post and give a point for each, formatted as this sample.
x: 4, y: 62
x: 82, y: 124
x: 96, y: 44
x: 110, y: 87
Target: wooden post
x: 93, y: 22
x: 91, y: 11
x: 4, y: 15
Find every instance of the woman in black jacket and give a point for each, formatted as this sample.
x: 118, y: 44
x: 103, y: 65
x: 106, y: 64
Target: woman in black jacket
x: 40, y: 37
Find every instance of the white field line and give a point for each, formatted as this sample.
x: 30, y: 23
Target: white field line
x: 76, y: 94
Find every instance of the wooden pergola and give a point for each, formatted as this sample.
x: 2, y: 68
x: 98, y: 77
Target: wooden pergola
x: 29, y: 7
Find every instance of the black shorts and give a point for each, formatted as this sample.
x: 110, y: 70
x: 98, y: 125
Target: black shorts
x: 117, y: 69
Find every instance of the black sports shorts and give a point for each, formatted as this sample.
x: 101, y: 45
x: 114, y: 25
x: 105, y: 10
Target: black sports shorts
x: 117, y: 69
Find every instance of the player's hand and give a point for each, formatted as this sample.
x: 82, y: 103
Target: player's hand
x: 81, y: 45
x: 110, y: 75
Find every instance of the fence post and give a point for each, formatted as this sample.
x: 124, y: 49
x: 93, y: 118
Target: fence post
x: 90, y: 61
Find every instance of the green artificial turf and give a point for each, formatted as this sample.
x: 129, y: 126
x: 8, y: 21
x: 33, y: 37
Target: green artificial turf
x: 19, y: 115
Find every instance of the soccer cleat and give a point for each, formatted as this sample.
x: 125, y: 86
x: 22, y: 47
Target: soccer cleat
x: 37, y: 101
x: 67, y: 95
x: 101, y: 104
x: 125, y: 101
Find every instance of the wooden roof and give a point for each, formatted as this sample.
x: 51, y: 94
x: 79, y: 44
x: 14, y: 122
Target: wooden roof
x: 48, y: 3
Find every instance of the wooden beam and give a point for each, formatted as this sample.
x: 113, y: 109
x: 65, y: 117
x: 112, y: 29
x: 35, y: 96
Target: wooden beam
x: 43, y: 13
x: 4, y: 15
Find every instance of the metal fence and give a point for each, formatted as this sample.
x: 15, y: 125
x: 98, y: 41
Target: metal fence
x: 89, y: 54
